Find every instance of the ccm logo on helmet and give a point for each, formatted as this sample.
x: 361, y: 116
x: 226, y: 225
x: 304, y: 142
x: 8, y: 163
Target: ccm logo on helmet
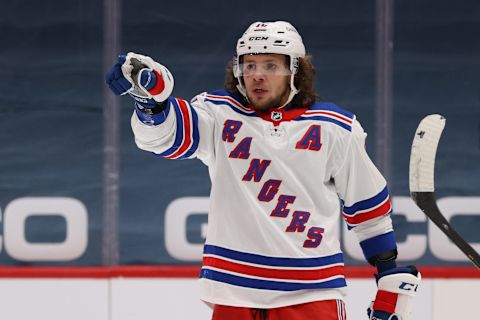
x: 258, y: 38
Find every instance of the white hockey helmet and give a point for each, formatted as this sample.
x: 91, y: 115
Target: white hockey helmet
x: 278, y: 37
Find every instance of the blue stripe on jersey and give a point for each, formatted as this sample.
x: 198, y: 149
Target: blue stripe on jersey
x: 231, y: 105
x: 322, y: 118
x: 378, y: 244
x: 272, y: 261
x: 178, y: 134
x: 226, y: 93
x: 195, y: 134
x: 329, y: 106
x: 269, y: 284
x: 367, y: 204
x: 231, y: 95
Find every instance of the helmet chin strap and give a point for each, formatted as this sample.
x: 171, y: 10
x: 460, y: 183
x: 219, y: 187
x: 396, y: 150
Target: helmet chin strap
x: 242, y: 89
x: 293, y: 92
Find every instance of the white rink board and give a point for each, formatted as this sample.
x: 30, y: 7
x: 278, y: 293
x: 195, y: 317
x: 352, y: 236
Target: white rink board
x: 456, y: 299
x: 49, y: 299
x: 164, y: 298
x: 146, y: 299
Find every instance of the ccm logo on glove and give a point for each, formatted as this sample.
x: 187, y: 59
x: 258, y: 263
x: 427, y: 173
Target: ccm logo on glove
x: 408, y: 286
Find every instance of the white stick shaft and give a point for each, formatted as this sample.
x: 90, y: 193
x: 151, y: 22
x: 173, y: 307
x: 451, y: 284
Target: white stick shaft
x: 424, y: 149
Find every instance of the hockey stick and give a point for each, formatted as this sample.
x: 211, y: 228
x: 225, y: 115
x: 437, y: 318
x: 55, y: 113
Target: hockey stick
x: 422, y: 164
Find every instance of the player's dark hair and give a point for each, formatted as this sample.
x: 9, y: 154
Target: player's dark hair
x: 304, y: 82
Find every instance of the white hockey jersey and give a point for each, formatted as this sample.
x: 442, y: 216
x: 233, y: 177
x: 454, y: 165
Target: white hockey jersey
x: 280, y: 181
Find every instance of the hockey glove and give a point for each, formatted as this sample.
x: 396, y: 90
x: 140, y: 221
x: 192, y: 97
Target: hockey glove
x: 145, y: 80
x: 396, y: 289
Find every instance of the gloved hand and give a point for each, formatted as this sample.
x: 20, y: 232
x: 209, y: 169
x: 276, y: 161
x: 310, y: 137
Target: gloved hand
x: 145, y: 80
x: 396, y: 289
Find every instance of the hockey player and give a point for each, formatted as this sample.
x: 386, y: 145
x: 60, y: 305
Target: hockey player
x: 283, y: 167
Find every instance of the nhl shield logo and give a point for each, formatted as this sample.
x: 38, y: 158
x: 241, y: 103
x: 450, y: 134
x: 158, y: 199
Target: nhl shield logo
x: 276, y: 115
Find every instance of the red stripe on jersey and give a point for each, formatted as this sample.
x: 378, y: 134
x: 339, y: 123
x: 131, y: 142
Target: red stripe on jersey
x: 159, y: 86
x: 368, y: 215
x: 385, y: 301
x: 331, y: 114
x: 304, y: 274
x: 227, y: 98
x: 187, y: 130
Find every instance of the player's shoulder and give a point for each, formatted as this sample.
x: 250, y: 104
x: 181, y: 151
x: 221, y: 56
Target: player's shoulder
x: 220, y: 93
x: 225, y: 100
x: 331, y: 113
x: 333, y: 107
x: 219, y: 97
x: 223, y: 96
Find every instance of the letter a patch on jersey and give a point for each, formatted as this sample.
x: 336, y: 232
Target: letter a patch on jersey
x: 311, y: 139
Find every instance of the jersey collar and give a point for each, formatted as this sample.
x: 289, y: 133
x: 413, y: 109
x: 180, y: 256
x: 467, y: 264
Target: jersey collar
x: 278, y: 115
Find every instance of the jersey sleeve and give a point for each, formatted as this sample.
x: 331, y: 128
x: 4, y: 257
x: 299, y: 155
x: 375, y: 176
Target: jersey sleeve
x: 183, y: 130
x: 363, y: 191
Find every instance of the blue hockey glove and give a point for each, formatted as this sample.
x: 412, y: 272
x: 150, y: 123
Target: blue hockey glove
x: 396, y: 289
x: 115, y: 79
x: 145, y: 80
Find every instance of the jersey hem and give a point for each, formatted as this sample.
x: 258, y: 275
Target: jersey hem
x: 290, y: 301
x: 279, y: 300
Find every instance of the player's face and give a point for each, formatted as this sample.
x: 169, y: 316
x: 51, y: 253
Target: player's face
x: 267, y: 80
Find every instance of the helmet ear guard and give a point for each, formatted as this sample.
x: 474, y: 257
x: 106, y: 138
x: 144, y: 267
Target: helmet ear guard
x: 278, y: 37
